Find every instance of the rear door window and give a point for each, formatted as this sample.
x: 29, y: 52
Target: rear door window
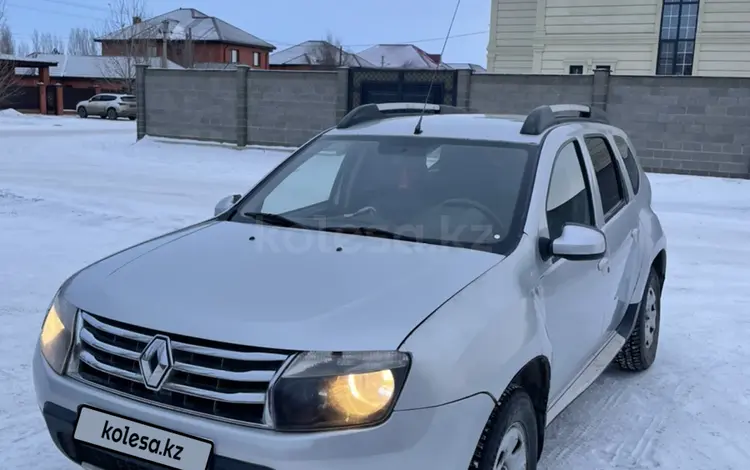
x: 608, y: 177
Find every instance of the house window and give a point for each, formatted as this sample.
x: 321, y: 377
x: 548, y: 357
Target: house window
x: 151, y: 51
x: 576, y: 70
x: 256, y: 59
x: 608, y: 68
x: 679, y: 23
x: 235, y: 56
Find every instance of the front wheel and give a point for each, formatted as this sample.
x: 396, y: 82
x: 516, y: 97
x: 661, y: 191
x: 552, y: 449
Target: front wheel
x: 510, y: 440
x: 82, y: 113
x: 639, y: 352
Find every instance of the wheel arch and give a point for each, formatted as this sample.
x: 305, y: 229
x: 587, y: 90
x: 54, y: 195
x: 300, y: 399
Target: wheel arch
x: 534, y: 378
x: 660, y: 265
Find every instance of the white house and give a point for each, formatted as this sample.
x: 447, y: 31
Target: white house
x: 630, y: 37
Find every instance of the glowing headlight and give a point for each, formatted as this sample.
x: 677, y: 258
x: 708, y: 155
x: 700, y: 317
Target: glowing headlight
x: 333, y: 390
x: 57, y: 333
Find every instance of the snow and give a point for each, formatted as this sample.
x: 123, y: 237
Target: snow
x: 73, y: 193
x: 12, y: 122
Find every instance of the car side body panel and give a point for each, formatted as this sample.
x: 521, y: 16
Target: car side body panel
x: 479, y: 339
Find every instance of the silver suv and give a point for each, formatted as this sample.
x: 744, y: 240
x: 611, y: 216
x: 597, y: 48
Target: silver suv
x: 108, y: 105
x: 419, y: 287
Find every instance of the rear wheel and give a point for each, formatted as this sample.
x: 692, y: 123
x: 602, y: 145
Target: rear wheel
x: 111, y: 114
x: 510, y: 440
x: 82, y: 113
x: 639, y: 352
x: 132, y: 118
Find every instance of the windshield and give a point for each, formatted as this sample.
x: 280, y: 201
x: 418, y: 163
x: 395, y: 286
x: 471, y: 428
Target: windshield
x: 441, y: 191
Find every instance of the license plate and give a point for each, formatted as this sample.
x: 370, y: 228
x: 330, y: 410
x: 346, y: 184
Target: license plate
x: 142, y: 441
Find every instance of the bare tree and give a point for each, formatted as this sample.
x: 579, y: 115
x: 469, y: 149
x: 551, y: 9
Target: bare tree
x: 8, y: 83
x: 47, y: 43
x: 7, y: 45
x: 81, y: 42
x: 328, y: 53
x: 129, y: 42
x: 22, y: 48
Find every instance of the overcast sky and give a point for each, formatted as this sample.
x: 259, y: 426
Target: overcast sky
x: 357, y: 23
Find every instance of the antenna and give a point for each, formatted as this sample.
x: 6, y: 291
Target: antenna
x: 418, y: 127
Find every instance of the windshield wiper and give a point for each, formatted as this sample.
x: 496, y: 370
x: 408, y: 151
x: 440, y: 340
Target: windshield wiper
x: 372, y: 232
x: 275, y: 219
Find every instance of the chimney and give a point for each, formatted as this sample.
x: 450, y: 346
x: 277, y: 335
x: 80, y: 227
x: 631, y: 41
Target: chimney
x: 136, y: 19
x: 435, y: 58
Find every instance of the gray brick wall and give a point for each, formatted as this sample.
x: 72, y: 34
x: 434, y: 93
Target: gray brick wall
x: 289, y: 108
x: 519, y: 94
x: 690, y: 125
x: 199, y: 104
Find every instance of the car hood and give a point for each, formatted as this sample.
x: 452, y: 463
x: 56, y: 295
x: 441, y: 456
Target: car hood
x: 276, y: 287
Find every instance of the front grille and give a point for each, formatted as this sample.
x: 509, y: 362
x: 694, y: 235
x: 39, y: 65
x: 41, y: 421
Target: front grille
x: 217, y: 380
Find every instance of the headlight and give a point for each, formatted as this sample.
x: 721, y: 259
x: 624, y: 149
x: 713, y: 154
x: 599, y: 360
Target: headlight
x: 57, y: 333
x: 333, y: 390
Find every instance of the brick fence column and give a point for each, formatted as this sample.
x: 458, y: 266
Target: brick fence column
x: 42, y: 98
x: 600, y: 89
x: 342, y: 92
x: 241, y: 105
x: 463, y: 88
x: 140, y: 100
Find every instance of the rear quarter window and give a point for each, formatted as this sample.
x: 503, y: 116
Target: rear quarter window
x: 128, y: 99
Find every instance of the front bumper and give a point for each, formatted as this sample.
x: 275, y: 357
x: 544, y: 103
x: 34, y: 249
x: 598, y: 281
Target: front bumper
x: 443, y: 437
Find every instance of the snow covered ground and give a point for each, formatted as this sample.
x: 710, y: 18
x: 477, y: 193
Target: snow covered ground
x: 73, y: 191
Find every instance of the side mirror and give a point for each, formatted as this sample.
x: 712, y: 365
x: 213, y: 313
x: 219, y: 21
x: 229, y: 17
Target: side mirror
x: 226, y: 203
x: 579, y: 243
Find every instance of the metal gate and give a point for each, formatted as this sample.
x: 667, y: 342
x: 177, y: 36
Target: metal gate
x: 22, y: 98
x: 51, y: 99
x: 402, y: 85
x: 72, y: 96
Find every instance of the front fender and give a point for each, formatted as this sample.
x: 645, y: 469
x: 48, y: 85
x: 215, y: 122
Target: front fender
x: 477, y: 341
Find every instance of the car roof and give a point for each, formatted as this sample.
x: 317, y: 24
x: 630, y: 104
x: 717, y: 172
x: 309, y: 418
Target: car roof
x: 400, y: 119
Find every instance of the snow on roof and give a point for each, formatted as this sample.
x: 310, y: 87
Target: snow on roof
x: 92, y: 66
x: 399, y: 56
x: 202, y: 26
x: 28, y: 61
x: 466, y: 65
x: 308, y: 53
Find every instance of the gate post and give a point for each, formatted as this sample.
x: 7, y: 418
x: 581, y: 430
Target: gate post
x: 140, y: 100
x: 240, y: 110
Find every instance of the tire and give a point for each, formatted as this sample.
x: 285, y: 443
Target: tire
x: 513, y: 421
x: 639, y: 352
x: 82, y: 113
x: 111, y: 114
x: 132, y: 118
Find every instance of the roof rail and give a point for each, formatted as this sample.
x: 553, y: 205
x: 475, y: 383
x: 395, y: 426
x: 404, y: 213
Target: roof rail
x: 544, y: 117
x: 376, y: 112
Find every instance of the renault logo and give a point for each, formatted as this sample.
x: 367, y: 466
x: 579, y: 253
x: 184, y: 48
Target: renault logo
x: 156, y: 362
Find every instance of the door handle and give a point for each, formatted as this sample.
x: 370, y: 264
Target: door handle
x: 603, y: 264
